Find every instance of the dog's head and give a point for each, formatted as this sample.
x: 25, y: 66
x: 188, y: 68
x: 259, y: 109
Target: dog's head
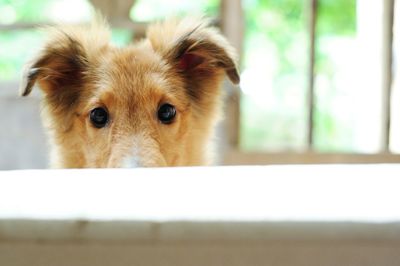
x: 153, y: 103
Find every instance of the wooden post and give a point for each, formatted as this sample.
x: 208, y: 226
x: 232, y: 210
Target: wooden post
x: 313, y: 10
x: 387, y: 71
x: 232, y: 26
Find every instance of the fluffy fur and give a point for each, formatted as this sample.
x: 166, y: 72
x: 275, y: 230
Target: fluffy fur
x: 180, y: 62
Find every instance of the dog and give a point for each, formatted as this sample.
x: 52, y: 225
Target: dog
x: 152, y: 103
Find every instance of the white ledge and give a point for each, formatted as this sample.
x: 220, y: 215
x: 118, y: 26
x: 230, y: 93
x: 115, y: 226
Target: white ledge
x: 316, y: 193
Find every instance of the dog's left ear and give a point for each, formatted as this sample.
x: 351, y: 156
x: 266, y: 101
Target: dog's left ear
x: 196, y: 50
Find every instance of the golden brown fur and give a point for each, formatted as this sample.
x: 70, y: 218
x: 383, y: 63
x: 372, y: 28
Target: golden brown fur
x: 179, y: 62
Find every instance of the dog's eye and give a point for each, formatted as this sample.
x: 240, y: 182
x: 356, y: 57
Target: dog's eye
x: 166, y: 113
x: 99, y: 117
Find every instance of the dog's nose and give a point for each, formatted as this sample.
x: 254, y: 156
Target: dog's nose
x: 139, y: 150
x: 131, y: 162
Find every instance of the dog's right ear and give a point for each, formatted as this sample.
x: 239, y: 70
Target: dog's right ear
x: 59, y: 68
x: 60, y: 64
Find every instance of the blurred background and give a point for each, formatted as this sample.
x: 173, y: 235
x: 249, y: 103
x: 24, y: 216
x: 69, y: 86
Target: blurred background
x: 319, y: 78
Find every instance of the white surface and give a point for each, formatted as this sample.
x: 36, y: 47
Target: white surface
x: 364, y: 193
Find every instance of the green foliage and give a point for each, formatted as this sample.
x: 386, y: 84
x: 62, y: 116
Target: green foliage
x: 25, y: 10
x: 336, y: 17
x: 281, y: 22
x: 336, y: 22
x: 275, y: 32
x: 16, y: 48
x: 282, y: 26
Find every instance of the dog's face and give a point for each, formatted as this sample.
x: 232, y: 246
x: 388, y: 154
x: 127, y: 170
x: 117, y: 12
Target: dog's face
x: 153, y: 103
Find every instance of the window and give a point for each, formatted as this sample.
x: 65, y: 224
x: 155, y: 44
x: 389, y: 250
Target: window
x: 347, y: 83
x: 317, y: 83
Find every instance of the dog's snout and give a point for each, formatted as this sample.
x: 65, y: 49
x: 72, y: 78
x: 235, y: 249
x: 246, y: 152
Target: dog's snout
x: 149, y: 160
x: 140, y: 151
x: 131, y: 162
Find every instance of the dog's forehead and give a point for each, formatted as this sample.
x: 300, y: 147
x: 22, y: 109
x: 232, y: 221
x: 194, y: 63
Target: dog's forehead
x: 135, y: 63
x: 138, y: 74
x: 134, y: 68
